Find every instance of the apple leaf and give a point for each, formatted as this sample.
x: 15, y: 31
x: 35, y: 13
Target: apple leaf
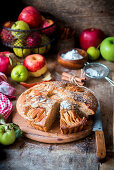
x: 16, y: 129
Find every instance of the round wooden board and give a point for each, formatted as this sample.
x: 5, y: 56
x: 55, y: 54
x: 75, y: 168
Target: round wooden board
x: 53, y: 136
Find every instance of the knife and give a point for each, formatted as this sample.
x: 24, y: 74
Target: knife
x: 99, y: 135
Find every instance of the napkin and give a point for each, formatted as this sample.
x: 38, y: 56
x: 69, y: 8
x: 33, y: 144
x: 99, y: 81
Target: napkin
x: 5, y: 106
x: 6, y: 91
x: 6, y: 88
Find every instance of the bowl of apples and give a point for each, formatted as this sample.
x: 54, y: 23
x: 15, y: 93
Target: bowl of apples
x: 33, y: 32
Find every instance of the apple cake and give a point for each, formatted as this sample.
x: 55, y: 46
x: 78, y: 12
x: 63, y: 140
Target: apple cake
x: 43, y: 103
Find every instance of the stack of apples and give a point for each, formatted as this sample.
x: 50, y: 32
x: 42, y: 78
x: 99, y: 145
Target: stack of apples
x: 31, y: 30
x: 22, y: 33
x: 92, y: 39
x: 34, y: 65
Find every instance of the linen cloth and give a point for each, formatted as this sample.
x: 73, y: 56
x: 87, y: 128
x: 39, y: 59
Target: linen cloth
x: 6, y: 91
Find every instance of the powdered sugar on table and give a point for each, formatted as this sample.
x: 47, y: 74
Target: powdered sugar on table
x: 96, y: 72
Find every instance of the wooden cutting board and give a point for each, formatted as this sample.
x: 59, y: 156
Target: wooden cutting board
x: 53, y: 136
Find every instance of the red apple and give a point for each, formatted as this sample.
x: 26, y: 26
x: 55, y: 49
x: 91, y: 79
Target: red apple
x: 34, y: 39
x: 6, y: 34
x: 4, y: 64
x: 36, y: 64
x: 91, y: 37
x: 5, y: 53
x: 47, y: 23
x: 31, y: 16
x: 7, y: 62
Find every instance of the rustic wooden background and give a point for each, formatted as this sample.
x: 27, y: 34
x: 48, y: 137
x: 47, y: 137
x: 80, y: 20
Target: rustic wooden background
x: 79, y: 14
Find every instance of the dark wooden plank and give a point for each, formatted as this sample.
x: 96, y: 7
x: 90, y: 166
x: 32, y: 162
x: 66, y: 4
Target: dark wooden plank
x: 80, y: 14
x: 29, y: 155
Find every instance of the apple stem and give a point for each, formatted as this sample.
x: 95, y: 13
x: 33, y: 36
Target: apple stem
x: 92, y: 29
x: 8, y: 126
x: 98, y: 46
x: 18, y: 63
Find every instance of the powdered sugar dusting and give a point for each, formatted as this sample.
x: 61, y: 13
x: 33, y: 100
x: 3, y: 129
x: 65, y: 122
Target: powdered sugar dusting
x: 72, y: 55
x: 95, y: 73
x: 66, y: 105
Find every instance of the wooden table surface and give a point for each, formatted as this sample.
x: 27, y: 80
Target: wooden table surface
x: 80, y: 155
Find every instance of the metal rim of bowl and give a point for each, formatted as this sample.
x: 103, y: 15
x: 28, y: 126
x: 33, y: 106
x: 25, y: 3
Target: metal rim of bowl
x: 27, y: 47
x: 31, y: 30
x: 89, y: 64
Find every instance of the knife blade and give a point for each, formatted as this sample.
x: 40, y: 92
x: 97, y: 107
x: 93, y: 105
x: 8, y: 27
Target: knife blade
x: 99, y: 135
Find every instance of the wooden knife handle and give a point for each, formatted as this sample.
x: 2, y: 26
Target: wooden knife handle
x: 100, y: 145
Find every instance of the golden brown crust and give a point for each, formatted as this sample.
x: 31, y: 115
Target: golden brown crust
x: 37, y: 126
x: 73, y: 129
x: 36, y: 104
x: 85, y: 96
x: 70, y: 119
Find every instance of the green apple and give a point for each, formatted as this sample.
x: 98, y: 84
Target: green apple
x: 21, y: 52
x: 45, y: 48
x: 20, y: 25
x: 7, y: 134
x: 93, y: 53
x: 107, y: 48
x: 19, y: 73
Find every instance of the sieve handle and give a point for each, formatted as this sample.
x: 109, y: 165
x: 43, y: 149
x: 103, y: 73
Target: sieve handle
x: 110, y: 81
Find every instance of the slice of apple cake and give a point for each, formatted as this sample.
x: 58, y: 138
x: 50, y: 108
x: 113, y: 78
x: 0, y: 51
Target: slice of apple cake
x: 70, y: 119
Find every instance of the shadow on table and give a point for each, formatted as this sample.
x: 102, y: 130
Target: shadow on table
x: 3, y: 155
